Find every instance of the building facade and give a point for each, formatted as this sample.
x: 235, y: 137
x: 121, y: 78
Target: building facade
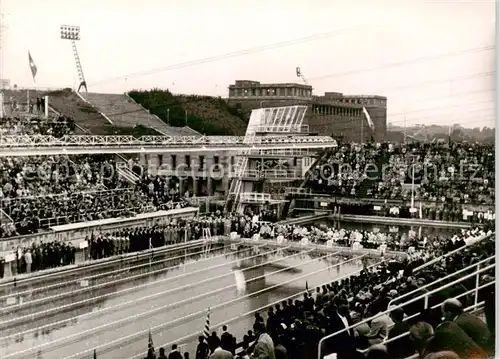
x: 333, y: 114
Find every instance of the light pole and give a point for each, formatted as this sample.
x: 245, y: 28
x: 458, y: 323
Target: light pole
x: 72, y: 33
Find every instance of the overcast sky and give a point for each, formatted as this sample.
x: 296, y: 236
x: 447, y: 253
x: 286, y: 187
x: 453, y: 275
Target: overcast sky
x: 357, y: 43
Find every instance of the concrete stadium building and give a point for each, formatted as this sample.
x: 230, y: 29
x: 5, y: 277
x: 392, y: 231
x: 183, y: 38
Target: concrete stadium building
x: 333, y: 114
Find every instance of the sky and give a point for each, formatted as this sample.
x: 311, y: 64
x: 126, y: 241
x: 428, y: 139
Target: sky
x: 434, y: 60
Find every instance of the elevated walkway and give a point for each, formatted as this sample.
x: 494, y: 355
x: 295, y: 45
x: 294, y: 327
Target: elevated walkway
x: 37, y: 145
x: 270, y: 175
x: 124, y: 112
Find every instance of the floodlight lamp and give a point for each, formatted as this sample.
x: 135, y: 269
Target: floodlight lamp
x: 70, y: 32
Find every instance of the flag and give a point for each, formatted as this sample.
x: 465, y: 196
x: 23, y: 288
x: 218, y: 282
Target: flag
x: 150, y: 342
x: 206, y: 329
x: 33, y: 68
x: 95, y: 354
x: 368, y: 119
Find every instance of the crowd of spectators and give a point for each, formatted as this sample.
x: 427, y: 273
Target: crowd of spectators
x: 39, y: 256
x: 39, y: 192
x: 129, y: 240
x: 445, y: 212
x: 56, y: 127
x: 442, y: 172
x: 163, y: 193
x: 249, y: 225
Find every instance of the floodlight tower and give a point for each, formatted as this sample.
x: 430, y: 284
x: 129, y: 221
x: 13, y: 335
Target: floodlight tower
x: 72, y: 33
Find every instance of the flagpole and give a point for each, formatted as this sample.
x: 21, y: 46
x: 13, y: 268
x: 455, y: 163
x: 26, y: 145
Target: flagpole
x: 413, y: 184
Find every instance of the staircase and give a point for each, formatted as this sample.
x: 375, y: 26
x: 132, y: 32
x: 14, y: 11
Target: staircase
x: 124, y: 112
x: 124, y: 171
x: 68, y: 103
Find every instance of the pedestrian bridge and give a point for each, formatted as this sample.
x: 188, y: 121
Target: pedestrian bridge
x: 41, y: 145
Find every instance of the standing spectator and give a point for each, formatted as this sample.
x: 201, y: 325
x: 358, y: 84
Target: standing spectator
x: 212, y: 340
x: 202, y: 350
x: 226, y: 340
x: 29, y: 260
x: 162, y: 354
x: 402, y: 347
x: 174, y: 354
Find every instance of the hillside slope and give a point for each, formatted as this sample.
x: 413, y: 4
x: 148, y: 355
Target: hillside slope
x: 205, y: 114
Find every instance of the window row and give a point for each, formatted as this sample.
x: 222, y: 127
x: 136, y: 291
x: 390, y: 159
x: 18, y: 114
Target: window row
x: 271, y: 91
x: 336, y: 111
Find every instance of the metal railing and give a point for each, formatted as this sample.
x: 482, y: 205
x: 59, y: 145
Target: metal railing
x: 10, y: 141
x: 283, y: 128
x: 475, y: 306
x: 295, y: 152
x: 449, y: 254
x: 56, y: 221
x: 255, y: 197
x: 413, y: 300
x: 442, y: 279
x: 8, y: 201
x: 271, y: 174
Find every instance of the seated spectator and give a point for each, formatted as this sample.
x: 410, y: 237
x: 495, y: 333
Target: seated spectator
x: 443, y: 355
x: 264, y: 348
x: 217, y: 351
x: 474, y: 327
x: 400, y: 348
x: 379, y: 327
x: 378, y: 351
x: 279, y: 350
x: 447, y: 337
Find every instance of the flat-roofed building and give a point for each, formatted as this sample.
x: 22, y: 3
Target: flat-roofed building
x: 333, y: 114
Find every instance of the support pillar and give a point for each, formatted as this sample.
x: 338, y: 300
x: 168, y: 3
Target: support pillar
x: 195, y: 186
x: 46, y: 106
x: 182, y: 191
x: 225, y: 185
x: 209, y: 186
